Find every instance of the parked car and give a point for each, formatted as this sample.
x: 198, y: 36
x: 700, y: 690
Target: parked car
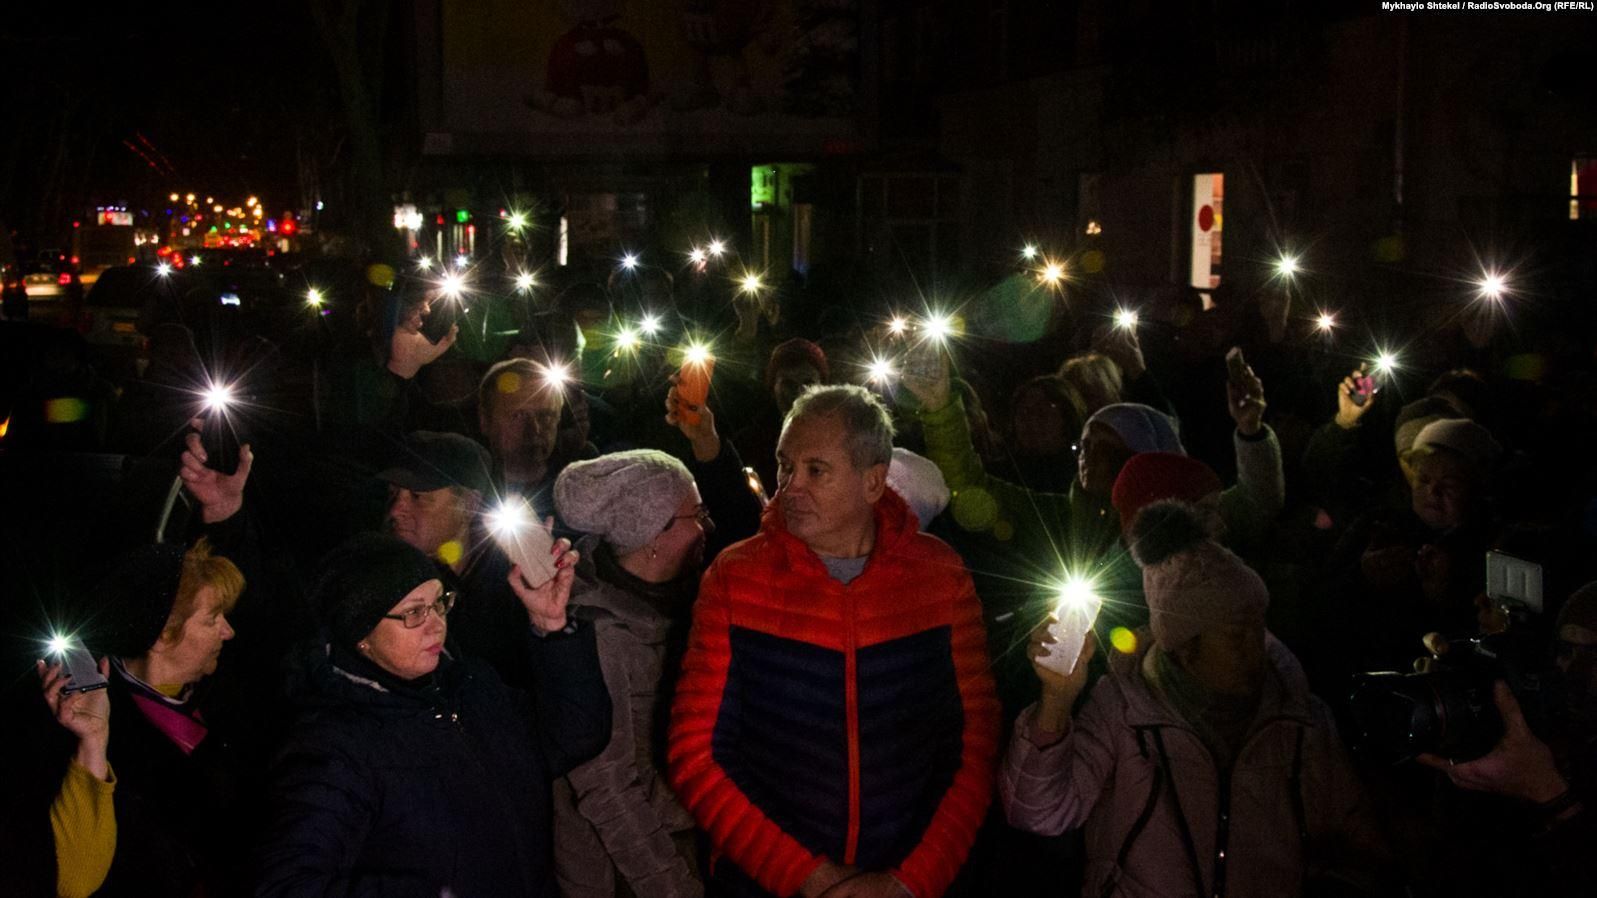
x: 112, y: 311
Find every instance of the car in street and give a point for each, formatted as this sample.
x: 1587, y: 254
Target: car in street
x: 112, y: 310
x: 49, y: 276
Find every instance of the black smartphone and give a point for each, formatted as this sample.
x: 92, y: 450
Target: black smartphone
x: 83, y: 674
x: 440, y: 319
x: 219, y: 438
x: 1236, y: 366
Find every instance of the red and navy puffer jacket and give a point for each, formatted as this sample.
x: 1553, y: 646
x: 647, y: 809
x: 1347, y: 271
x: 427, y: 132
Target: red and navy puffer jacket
x: 820, y: 721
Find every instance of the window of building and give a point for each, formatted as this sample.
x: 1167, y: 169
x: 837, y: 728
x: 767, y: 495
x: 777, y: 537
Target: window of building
x: 1208, y: 196
x: 911, y: 219
x: 1583, y: 188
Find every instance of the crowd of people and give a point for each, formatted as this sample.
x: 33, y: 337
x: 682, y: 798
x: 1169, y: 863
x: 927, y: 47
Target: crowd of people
x: 439, y: 607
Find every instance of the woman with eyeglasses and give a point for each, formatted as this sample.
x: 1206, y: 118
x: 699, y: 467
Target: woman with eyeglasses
x: 411, y: 772
x: 619, y: 829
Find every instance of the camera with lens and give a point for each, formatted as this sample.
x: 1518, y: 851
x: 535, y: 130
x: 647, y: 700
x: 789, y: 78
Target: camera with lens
x: 1449, y: 709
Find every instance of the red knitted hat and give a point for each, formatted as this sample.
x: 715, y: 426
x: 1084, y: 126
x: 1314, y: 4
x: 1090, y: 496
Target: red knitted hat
x: 1151, y: 476
x: 797, y: 351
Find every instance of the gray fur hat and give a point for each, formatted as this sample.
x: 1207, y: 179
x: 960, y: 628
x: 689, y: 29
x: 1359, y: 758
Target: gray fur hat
x: 626, y: 498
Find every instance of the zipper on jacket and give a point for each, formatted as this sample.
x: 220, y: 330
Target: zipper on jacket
x: 1222, y: 832
x: 851, y: 706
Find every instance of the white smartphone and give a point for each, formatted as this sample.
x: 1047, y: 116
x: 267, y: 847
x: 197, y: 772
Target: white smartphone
x: 1514, y: 581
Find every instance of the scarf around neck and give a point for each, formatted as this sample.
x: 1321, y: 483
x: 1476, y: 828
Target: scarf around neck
x: 175, y: 717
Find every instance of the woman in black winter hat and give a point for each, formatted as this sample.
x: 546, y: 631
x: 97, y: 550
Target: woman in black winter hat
x: 411, y: 772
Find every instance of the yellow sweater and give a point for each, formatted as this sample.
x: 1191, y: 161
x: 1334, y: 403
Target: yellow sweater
x: 84, y: 823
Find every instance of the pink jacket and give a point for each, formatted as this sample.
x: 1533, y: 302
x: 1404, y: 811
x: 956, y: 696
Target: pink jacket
x: 1290, y: 795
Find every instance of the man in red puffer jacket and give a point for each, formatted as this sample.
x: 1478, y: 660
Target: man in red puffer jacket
x: 835, y: 724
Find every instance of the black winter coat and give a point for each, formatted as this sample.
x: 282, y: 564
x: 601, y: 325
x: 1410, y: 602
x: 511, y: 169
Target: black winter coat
x: 408, y: 792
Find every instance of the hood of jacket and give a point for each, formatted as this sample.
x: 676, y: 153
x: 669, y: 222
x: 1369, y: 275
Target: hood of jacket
x: 603, y: 589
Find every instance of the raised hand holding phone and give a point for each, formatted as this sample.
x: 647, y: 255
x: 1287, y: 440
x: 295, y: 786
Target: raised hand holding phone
x: 693, y: 382
x: 526, y: 542
x: 1244, y: 393
x: 926, y: 376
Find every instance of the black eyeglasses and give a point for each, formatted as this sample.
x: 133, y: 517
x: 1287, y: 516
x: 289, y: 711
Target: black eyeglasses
x: 417, y: 616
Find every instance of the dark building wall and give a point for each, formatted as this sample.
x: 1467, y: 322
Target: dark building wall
x: 1335, y: 137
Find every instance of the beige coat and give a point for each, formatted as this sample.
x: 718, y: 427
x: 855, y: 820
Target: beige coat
x: 616, y: 819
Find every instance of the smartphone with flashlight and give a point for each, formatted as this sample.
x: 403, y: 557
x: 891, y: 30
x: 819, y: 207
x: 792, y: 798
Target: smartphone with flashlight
x: 1366, y: 385
x: 83, y: 674
x: 525, y: 541
x: 923, y: 361
x: 440, y: 319
x: 693, y: 386
x: 1514, y: 582
x: 220, y: 440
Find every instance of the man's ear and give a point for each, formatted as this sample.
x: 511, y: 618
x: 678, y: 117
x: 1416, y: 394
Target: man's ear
x: 875, y: 482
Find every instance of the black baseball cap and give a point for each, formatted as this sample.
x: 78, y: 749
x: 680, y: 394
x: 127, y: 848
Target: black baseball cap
x: 429, y: 461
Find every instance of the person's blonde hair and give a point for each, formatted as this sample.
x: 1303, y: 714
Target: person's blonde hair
x: 202, y: 569
x: 1096, y: 378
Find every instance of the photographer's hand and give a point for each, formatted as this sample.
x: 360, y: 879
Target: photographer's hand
x: 1519, y: 766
